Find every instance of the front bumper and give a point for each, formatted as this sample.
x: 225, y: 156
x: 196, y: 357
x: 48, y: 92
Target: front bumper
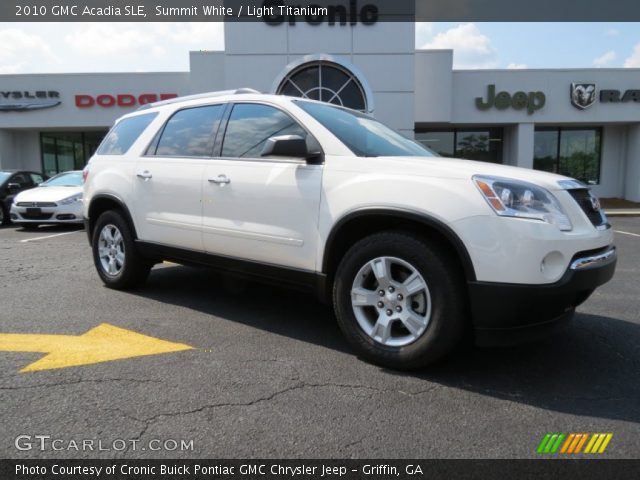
x: 47, y: 214
x: 512, y: 313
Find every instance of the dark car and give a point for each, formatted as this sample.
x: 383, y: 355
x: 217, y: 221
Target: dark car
x: 12, y: 183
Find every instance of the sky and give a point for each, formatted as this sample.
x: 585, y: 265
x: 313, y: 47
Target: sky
x: 140, y: 47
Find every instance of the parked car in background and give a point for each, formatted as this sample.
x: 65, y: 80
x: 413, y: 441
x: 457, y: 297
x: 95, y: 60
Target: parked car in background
x: 58, y: 200
x: 12, y: 183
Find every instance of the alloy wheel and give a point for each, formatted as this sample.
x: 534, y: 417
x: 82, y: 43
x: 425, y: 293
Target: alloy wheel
x: 391, y: 301
x: 111, y: 250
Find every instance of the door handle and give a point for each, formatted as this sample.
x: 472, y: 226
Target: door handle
x: 220, y: 180
x: 146, y: 175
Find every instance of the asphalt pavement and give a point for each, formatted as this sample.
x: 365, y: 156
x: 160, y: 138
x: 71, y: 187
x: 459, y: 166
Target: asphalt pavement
x: 270, y: 376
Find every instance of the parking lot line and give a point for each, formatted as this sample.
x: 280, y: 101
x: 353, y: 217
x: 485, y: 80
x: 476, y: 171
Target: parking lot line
x: 627, y: 233
x: 48, y: 236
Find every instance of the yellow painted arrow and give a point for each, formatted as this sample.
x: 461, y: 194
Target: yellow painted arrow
x: 103, y: 343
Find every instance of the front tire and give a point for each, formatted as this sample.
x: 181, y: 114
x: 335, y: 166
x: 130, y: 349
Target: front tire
x: 119, y: 264
x: 400, y: 300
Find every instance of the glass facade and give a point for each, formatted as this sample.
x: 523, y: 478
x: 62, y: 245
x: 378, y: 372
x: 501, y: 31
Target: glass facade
x: 64, y: 151
x: 574, y: 152
x: 483, y: 144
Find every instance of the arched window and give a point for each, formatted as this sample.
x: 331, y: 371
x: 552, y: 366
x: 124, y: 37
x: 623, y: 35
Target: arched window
x: 325, y: 81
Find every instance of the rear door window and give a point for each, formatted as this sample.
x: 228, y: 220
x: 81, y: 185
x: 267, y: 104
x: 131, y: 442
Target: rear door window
x: 190, y: 132
x: 124, y: 134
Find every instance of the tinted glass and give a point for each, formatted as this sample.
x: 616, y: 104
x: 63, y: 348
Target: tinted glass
x: 545, y: 150
x: 120, y: 138
x: 441, y: 142
x: 189, y: 132
x: 482, y: 145
x: 22, y: 179
x: 37, y: 179
x: 574, y: 152
x: 4, y: 176
x: 68, y: 179
x: 251, y: 125
x: 580, y: 155
x: 363, y: 135
x: 326, y: 82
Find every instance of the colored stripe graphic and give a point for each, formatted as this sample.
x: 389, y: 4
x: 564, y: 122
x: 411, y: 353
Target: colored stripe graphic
x: 551, y: 442
x: 598, y: 443
x: 573, y: 443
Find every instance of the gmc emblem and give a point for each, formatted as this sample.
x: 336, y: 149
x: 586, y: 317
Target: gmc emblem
x: 121, y: 100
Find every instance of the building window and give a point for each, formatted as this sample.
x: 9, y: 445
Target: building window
x: 574, y: 152
x: 483, y: 144
x: 64, y: 151
x: 325, y: 81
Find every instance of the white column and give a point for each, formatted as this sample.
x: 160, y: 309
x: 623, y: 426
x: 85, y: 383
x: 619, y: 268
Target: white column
x: 7, y: 153
x: 520, y: 145
x: 632, y: 164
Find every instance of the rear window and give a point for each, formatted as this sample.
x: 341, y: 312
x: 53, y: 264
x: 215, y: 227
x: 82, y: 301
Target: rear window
x: 120, y: 138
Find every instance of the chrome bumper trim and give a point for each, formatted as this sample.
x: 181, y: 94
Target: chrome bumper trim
x: 594, y: 260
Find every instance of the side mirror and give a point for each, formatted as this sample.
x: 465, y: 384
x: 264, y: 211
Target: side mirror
x: 12, y: 187
x: 286, y: 146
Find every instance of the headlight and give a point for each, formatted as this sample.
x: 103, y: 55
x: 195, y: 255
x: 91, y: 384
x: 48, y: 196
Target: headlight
x: 514, y: 198
x: 72, y: 199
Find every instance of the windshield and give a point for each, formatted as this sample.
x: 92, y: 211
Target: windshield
x: 67, y: 179
x: 4, y: 176
x: 364, y: 136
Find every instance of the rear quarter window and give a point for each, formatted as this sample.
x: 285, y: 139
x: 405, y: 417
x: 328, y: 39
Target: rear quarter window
x: 124, y: 134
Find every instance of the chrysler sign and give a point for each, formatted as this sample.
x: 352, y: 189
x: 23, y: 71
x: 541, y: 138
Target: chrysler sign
x: 24, y: 100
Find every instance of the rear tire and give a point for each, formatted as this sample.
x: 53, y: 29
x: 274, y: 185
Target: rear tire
x: 30, y: 226
x: 400, y: 300
x: 115, y: 256
x: 5, y: 219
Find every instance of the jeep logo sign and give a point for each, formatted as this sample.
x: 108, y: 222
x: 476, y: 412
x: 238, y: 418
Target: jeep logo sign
x: 529, y: 101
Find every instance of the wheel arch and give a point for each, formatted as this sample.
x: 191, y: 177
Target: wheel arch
x: 360, y: 223
x: 103, y: 202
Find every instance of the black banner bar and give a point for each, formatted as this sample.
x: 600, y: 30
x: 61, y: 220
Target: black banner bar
x: 545, y: 468
x: 316, y: 12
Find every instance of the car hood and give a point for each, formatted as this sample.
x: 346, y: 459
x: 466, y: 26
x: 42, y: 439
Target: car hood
x: 47, y: 194
x: 444, y: 167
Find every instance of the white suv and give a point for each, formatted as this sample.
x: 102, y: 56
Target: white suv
x: 412, y: 249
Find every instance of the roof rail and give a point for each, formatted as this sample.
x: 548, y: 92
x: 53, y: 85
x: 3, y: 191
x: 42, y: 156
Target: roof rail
x: 222, y: 93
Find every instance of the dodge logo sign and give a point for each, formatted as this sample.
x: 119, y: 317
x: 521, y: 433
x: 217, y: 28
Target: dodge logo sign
x: 583, y: 95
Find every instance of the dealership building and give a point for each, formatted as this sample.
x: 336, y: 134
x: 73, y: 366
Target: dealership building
x: 584, y: 123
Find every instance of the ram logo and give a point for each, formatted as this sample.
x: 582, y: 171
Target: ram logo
x: 583, y: 95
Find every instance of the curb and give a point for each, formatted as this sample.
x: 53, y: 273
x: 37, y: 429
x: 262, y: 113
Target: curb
x: 622, y: 212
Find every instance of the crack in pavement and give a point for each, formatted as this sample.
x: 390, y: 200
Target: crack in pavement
x: 76, y: 382
x: 299, y: 386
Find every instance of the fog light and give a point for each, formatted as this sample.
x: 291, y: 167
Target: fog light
x: 552, y: 265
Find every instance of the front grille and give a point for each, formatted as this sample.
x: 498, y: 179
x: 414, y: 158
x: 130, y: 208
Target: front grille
x: 589, y: 205
x: 36, y: 204
x: 36, y: 216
